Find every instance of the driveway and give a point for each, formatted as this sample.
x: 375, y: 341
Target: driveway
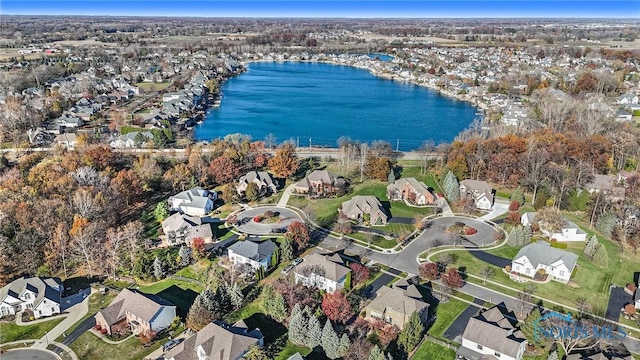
x: 491, y: 259
x: 500, y: 207
x: 29, y: 354
x: 381, y: 281
x: 87, y: 324
x: 401, y: 220
x: 454, y: 332
x: 248, y: 226
x: 617, y: 300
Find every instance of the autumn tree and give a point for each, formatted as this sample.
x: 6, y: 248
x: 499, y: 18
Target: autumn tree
x: 285, y: 163
x: 429, y: 271
x: 378, y: 168
x: 128, y: 184
x: 85, y: 235
x: 453, y: 278
x: 360, y: 273
x: 224, y: 169
x: 299, y: 233
x: 550, y: 220
x: 336, y: 306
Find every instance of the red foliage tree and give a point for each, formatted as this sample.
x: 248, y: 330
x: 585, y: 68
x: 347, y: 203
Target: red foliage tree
x: 336, y: 306
x: 197, y: 245
x: 359, y: 273
x: 513, y: 218
x: 224, y: 169
x: 297, y: 294
x: 299, y: 233
x: 429, y: 271
x: 100, y: 157
x: 453, y: 278
x: 514, y: 206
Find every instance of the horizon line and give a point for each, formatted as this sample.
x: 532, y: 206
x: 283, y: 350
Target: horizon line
x: 344, y: 17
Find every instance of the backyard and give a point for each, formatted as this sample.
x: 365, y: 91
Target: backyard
x: 180, y: 293
x: 432, y: 351
x: 11, y: 332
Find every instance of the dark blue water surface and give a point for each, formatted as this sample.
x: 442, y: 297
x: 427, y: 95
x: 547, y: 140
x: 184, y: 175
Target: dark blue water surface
x: 322, y: 102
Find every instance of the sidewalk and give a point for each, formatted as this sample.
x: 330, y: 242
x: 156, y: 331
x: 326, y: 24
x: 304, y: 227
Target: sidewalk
x: 286, y: 194
x: 19, y: 321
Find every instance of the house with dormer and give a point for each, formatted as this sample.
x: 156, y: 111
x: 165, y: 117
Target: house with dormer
x: 325, y: 272
x: 479, y: 192
x: 411, y: 190
x: 394, y: 306
x: 541, y: 257
x: 263, y: 181
x: 183, y: 229
x: 252, y: 254
x: 492, y: 334
x: 361, y: 207
x: 321, y: 182
x: 38, y: 294
x: 197, y: 201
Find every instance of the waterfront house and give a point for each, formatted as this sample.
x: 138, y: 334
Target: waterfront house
x: 326, y: 273
x: 568, y: 232
x: 252, y: 254
x: 196, y: 201
x: 540, y: 257
x: 321, y: 182
x: 132, y: 139
x: 365, y: 206
x: 479, y: 192
x: 392, y: 305
x: 218, y: 341
x: 264, y: 182
x: 42, y: 295
x: 492, y: 334
x: 183, y: 229
x: 412, y: 190
x: 66, y: 140
x: 141, y: 313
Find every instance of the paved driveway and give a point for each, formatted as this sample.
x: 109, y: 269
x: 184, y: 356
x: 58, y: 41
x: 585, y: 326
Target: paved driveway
x: 29, y: 354
x: 491, y: 259
x: 248, y: 226
x: 87, y: 324
x: 500, y: 207
x: 617, y: 300
x: 454, y: 332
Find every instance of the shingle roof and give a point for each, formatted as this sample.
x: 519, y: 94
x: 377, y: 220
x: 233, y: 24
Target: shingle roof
x: 253, y: 250
x: 45, y: 288
x: 142, y: 305
x: 332, y: 270
x: 494, y: 329
x: 218, y: 340
x: 395, y: 299
x: 541, y: 252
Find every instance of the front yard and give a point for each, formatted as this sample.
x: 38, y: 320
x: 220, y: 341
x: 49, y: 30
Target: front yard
x: 11, y: 332
x: 89, y: 346
x: 446, y: 314
x: 432, y: 351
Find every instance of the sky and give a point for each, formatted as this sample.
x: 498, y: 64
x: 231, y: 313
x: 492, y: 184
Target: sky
x: 331, y: 8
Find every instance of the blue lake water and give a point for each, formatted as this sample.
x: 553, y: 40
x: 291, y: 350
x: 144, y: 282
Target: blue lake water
x: 322, y: 102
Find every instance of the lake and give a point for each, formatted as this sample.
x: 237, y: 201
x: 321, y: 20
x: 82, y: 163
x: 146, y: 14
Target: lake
x: 318, y: 103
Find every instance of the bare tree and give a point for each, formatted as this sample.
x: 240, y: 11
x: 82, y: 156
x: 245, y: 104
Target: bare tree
x: 582, y: 304
x: 486, y: 273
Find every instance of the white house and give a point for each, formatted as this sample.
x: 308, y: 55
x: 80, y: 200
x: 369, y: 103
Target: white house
x: 67, y: 140
x: 626, y: 99
x: 480, y: 192
x: 492, y: 334
x: 325, y: 273
x: 557, y: 263
x: 569, y: 231
x: 252, y: 254
x: 196, y: 201
x: 128, y: 140
x: 41, y: 295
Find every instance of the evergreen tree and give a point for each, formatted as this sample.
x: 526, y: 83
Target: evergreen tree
x: 330, y: 341
x: 158, y: 268
x: 185, y: 256
x: 411, y: 334
x: 591, y: 246
x: 528, y: 329
x: 344, y: 344
x: 606, y: 223
x: 518, y: 196
x: 527, y: 235
x: 222, y: 300
x: 298, y: 326
x: 199, y: 316
x: 275, y: 258
x: 553, y: 355
x: 273, y: 304
x: 314, y: 335
x: 161, y: 212
x: 235, y: 295
x: 286, y: 249
x: 601, y: 256
x: 376, y: 353
x: 392, y: 177
x: 512, y: 237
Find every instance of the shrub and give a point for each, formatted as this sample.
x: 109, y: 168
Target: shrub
x: 507, y: 268
x: 557, y: 245
x: 469, y: 230
x: 257, y: 218
x: 269, y: 214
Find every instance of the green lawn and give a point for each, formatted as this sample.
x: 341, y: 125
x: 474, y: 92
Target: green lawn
x: 291, y: 349
x: 150, y: 86
x: 11, y: 332
x: 432, y: 351
x: 428, y: 178
x: 90, y: 347
x: 446, y: 313
x: 97, y: 301
x: 180, y: 293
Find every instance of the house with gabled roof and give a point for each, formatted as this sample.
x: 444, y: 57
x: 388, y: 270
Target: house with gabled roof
x: 324, y: 272
x: 361, y: 206
x: 264, y: 182
x: 410, y: 189
x: 321, y: 182
x: 253, y: 254
x: 568, y: 232
x: 218, y: 341
x: 394, y: 306
x: 182, y: 228
x: 197, y: 201
x: 479, y: 192
x: 492, y: 334
x: 39, y: 294
x: 540, y: 256
x: 141, y: 313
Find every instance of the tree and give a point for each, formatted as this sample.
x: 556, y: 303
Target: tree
x: 360, y: 273
x: 392, y: 177
x: 199, y: 315
x: 286, y: 249
x: 128, y: 184
x: 486, y: 273
x: 113, y: 249
x: 601, y: 256
x: 345, y: 344
x: 158, y: 269
x: 251, y: 192
x: 429, y: 271
x: 553, y: 355
x: 273, y: 304
x: 161, y: 212
x: 591, y: 246
x: 517, y: 195
x: 378, y: 168
x: 224, y: 169
x: 581, y: 304
x: 184, y: 254
x: 298, y: 326
x: 314, y: 336
x: 529, y: 330
x: 330, y: 341
x: 411, y: 334
x: 550, y: 220
x: 255, y: 352
x: 336, y: 306
x: 235, y: 294
x: 299, y: 233
x: 418, y: 222
x: 376, y: 354
x: 554, y: 328
x: 285, y: 163
x: 197, y: 248
x: 453, y: 278
x: 85, y: 235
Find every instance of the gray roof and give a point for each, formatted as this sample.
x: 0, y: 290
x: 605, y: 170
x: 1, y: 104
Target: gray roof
x: 395, y: 299
x: 45, y: 288
x: 262, y: 177
x: 254, y: 250
x: 197, y: 197
x: 541, y: 252
x: 495, y: 328
x: 218, y: 340
x: 479, y: 187
x: 601, y: 182
x: 190, y: 227
x: 296, y: 356
x: 366, y: 204
x: 142, y: 305
x: 332, y: 270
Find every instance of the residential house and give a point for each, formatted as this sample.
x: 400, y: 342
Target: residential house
x: 568, y: 232
x: 38, y: 294
x: 327, y: 273
x: 141, y: 313
x: 623, y: 115
x: 412, y: 190
x: 252, y: 254
x: 541, y: 257
x: 134, y: 139
x: 623, y: 175
x: 606, y: 184
x: 218, y: 341
x: 321, y: 182
x: 480, y: 192
x: 66, y: 140
x: 69, y: 121
x: 626, y: 99
x: 365, y: 206
x: 392, y: 305
x: 264, y: 182
x: 39, y: 136
x: 492, y: 334
x: 196, y: 201
x: 181, y: 228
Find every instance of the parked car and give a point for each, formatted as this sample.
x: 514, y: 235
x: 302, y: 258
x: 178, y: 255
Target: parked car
x: 171, y: 344
x: 297, y: 261
x: 287, y: 269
